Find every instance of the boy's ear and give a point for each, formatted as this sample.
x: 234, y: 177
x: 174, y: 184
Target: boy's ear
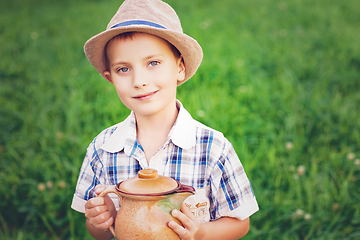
x: 107, y: 75
x: 181, y: 67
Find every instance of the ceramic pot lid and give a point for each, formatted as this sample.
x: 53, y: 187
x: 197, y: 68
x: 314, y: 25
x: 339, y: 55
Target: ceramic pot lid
x: 148, y: 182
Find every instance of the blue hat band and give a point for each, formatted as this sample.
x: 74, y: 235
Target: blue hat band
x: 137, y: 22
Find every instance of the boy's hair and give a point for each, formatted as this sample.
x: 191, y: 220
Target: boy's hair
x: 130, y: 36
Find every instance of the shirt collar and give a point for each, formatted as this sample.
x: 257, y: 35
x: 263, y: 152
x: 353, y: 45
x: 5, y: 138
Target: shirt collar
x: 182, y: 134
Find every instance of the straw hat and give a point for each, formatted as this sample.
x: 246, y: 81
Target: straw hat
x: 148, y: 16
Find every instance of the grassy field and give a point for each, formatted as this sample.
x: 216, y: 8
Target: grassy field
x: 281, y: 80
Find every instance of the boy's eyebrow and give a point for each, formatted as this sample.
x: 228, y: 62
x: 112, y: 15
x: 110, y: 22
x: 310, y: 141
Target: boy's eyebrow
x: 144, y: 59
x: 153, y: 55
x: 118, y: 62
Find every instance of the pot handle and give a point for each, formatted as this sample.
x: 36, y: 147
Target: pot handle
x: 186, y: 188
x: 110, y: 189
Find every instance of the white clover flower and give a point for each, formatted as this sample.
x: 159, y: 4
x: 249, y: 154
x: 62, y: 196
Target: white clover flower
x: 205, y: 24
x: 49, y: 184
x: 357, y: 161
x: 350, y: 156
x: 335, y: 207
x: 299, y: 213
x: 307, y: 216
x: 289, y: 146
x: 41, y: 187
x: 301, y: 170
x: 201, y: 113
x: 61, y: 184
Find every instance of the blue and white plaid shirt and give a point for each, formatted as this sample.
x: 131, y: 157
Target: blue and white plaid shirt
x: 193, y: 154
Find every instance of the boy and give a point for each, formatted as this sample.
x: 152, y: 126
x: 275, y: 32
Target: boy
x: 145, y: 55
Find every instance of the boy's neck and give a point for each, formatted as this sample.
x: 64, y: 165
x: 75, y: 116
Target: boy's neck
x: 157, y: 122
x: 153, y: 130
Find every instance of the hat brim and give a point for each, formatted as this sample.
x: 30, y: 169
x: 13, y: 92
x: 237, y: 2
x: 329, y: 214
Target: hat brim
x: 189, y: 48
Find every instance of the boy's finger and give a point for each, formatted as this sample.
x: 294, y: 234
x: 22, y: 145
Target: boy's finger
x: 94, y: 202
x: 187, y: 222
x: 99, y: 189
x: 101, y: 221
x: 184, y: 209
x: 179, y: 230
x: 107, y: 223
x: 95, y: 211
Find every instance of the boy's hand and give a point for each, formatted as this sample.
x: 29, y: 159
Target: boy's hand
x: 100, y: 211
x: 191, y: 228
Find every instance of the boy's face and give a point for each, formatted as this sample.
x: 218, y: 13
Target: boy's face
x: 144, y: 72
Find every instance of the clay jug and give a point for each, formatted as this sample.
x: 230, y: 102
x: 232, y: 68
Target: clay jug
x: 146, y: 202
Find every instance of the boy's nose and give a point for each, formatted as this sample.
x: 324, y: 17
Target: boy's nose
x: 140, y: 85
x: 139, y: 80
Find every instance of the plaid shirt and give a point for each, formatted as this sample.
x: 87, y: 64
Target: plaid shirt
x: 193, y: 154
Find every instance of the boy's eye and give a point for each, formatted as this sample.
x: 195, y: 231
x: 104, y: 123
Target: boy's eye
x: 123, y: 70
x: 153, y: 63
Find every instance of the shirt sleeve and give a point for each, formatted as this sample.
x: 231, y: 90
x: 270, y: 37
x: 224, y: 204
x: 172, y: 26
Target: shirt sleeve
x: 88, y: 179
x: 231, y: 193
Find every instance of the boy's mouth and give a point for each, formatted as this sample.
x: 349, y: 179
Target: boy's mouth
x: 145, y: 96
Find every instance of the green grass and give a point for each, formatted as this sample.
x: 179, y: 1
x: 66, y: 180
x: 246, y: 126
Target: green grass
x: 274, y: 74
